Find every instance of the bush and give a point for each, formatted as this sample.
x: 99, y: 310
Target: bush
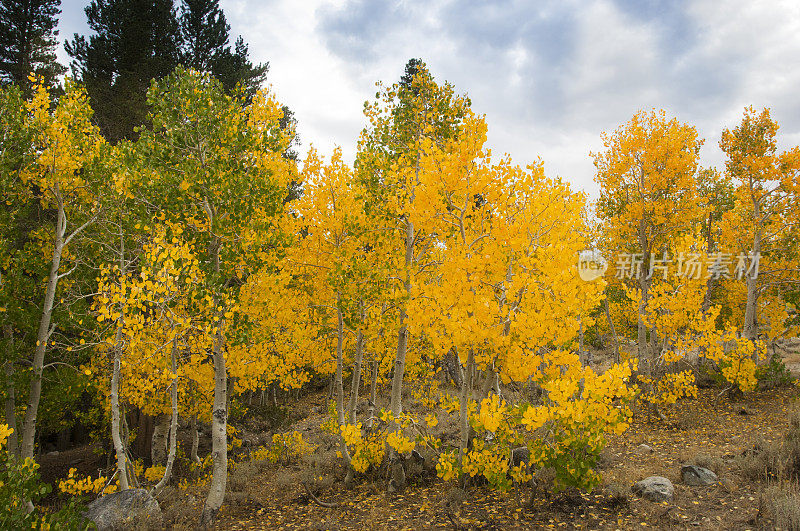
x: 774, y: 373
x: 20, y: 484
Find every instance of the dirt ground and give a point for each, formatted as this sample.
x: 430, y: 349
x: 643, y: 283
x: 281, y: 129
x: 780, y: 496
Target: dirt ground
x: 712, y: 430
x: 711, y: 427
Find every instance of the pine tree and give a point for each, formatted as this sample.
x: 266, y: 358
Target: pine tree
x: 205, y: 46
x: 204, y: 33
x: 135, y: 42
x: 27, y: 42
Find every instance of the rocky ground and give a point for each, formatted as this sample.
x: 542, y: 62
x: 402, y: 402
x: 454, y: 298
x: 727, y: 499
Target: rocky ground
x: 711, y: 431
x: 737, y: 443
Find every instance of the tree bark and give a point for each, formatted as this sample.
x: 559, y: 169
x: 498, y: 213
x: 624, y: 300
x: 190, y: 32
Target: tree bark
x: 356, y: 381
x: 219, y: 414
x: 750, y: 330
x: 173, y: 429
x: 195, y: 441
x: 116, y: 438
x: 119, y: 447
x: 402, y: 335
x: 43, y: 335
x: 158, y: 446
x: 373, y: 393
x: 643, y: 346
x: 339, y: 384
x: 466, y: 395
x: 613, y: 332
x: 219, y: 434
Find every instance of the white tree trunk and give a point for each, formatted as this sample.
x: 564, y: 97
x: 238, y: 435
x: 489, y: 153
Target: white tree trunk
x: 402, y: 336
x: 173, y: 429
x: 356, y: 381
x: 43, y: 337
x: 339, y: 384
x: 373, y: 393
x: 158, y: 445
x: 613, y: 331
x: 116, y: 437
x: 466, y: 396
x: 219, y: 435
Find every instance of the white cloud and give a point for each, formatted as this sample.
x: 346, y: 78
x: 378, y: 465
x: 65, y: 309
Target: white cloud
x: 549, y: 76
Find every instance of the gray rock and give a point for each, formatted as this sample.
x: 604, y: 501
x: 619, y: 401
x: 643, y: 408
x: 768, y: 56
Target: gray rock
x: 697, y: 476
x: 520, y: 456
x: 127, y: 509
x: 397, y: 483
x: 644, y: 449
x: 654, y: 488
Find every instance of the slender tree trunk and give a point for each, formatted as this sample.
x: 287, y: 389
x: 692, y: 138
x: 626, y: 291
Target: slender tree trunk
x: 219, y: 434
x: 356, y: 382
x: 158, y: 445
x: 402, y: 335
x: 195, y: 441
x: 11, y: 398
x: 466, y: 396
x: 219, y: 415
x: 655, y: 349
x: 644, y: 286
x: 173, y: 429
x: 750, y: 315
x: 643, y: 346
x: 43, y: 336
x: 711, y: 282
x: 373, y: 393
x: 119, y: 447
x: 613, y: 332
x: 338, y: 383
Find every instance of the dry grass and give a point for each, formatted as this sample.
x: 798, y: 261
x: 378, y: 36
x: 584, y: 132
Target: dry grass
x: 780, y: 502
x: 714, y: 464
x: 180, y: 511
x: 778, y: 461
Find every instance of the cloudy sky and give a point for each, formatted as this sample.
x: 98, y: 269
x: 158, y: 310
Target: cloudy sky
x: 550, y: 76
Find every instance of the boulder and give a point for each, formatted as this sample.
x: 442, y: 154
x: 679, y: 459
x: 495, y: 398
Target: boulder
x: 127, y: 509
x: 520, y: 456
x: 644, y: 449
x: 397, y: 483
x: 697, y: 476
x: 654, y: 488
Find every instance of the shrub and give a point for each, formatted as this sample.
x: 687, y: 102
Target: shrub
x: 20, y: 484
x: 774, y: 373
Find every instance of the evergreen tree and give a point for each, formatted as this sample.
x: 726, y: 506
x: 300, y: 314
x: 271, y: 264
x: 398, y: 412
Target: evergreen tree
x: 135, y: 42
x: 27, y: 42
x: 235, y: 68
x: 205, y: 46
x: 204, y: 34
